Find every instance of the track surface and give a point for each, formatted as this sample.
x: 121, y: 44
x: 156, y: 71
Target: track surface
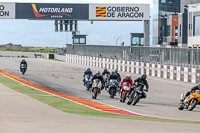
x: 22, y: 114
x: 161, y: 101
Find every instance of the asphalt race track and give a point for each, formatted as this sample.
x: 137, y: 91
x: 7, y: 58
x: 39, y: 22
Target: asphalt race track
x: 162, y: 98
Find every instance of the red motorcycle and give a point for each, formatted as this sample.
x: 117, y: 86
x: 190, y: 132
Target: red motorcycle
x: 124, y: 91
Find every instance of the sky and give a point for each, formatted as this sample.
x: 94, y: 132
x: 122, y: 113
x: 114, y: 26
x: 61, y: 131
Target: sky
x: 42, y: 33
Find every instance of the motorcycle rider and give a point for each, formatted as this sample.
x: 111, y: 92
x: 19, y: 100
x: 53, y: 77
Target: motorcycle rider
x: 141, y: 82
x: 23, y: 62
x: 87, y: 72
x: 106, y: 72
x: 193, y: 89
x: 119, y: 77
x: 127, y: 79
x: 98, y: 76
x: 113, y: 76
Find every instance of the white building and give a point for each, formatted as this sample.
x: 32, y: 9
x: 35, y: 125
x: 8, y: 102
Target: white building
x: 194, y: 25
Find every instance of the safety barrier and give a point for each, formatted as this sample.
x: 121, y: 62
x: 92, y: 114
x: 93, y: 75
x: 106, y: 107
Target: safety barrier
x: 157, y: 70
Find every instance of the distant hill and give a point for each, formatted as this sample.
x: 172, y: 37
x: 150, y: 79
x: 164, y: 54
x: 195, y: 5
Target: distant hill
x: 18, y: 47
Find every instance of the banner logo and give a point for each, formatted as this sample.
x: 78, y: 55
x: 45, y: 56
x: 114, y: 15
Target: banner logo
x: 100, y: 11
x: 53, y: 12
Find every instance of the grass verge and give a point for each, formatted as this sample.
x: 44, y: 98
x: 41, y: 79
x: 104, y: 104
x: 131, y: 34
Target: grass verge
x: 71, y: 107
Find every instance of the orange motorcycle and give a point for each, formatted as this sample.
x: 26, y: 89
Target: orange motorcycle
x: 190, y: 102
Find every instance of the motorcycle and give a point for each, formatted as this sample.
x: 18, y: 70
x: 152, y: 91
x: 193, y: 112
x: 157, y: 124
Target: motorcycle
x: 135, y: 95
x: 96, y: 88
x: 124, y: 91
x: 105, y: 78
x: 190, y: 102
x: 113, y: 88
x: 23, y: 68
x: 88, y: 82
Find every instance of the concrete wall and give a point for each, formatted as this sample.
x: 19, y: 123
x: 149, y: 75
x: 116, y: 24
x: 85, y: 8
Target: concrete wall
x: 116, y: 52
x: 20, y: 54
x: 60, y: 57
x: 157, y: 70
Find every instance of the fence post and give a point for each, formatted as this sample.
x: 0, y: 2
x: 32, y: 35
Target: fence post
x: 186, y: 74
x: 165, y: 71
x: 194, y: 75
x: 147, y: 68
x: 158, y: 70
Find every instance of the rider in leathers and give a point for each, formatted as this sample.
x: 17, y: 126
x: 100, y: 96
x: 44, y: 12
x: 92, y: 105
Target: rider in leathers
x: 87, y: 72
x: 127, y: 79
x: 106, y: 72
x: 141, y: 82
x: 197, y: 87
x: 119, y: 77
x: 113, y: 76
x: 23, y: 62
x: 98, y: 76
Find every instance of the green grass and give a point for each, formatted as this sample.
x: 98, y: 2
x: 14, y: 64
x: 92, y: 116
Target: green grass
x: 71, y: 107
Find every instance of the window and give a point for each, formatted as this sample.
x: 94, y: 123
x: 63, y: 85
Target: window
x: 82, y: 40
x: 135, y: 41
x: 76, y: 41
x: 168, y: 30
x: 196, y: 26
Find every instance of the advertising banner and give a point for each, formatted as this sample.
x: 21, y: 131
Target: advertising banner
x: 47, y: 11
x: 133, y: 12
x: 7, y: 10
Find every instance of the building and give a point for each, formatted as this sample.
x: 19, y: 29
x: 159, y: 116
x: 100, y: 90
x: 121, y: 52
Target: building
x: 166, y: 16
x: 193, y: 25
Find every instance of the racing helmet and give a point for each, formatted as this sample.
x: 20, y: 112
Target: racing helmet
x: 113, y: 72
x: 144, y: 76
x: 98, y: 72
x: 128, y: 77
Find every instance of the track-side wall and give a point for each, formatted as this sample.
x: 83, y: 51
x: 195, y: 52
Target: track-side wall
x: 157, y: 70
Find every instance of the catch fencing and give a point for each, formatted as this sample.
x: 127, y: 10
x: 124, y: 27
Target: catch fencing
x: 183, y: 57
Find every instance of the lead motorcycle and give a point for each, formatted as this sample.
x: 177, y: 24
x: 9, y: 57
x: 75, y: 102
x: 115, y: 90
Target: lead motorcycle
x: 124, y: 91
x: 23, y: 68
x: 135, y: 95
x: 88, y: 82
x: 113, y: 88
x: 190, y: 102
x: 96, y: 88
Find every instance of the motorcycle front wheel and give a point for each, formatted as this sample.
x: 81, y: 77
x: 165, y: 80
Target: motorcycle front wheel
x: 112, y: 92
x: 130, y: 98
x: 124, y: 97
x: 136, y: 99
x: 180, y: 106
x: 94, y: 94
x: 192, y: 104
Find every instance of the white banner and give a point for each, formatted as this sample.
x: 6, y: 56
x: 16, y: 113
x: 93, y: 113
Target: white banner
x: 7, y: 10
x: 134, y: 12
